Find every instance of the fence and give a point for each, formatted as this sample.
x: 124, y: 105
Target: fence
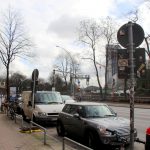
x: 83, y: 146
x: 44, y: 129
x: 96, y: 97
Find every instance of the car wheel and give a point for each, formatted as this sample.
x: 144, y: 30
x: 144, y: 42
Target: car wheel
x: 91, y: 140
x: 60, y: 129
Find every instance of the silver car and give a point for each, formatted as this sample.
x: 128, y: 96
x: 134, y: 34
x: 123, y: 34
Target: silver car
x: 96, y: 123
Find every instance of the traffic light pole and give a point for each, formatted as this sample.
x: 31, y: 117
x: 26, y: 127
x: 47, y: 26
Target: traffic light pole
x: 131, y: 58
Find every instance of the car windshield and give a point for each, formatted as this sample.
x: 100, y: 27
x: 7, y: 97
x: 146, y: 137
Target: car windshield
x: 97, y: 111
x: 67, y: 97
x: 48, y: 98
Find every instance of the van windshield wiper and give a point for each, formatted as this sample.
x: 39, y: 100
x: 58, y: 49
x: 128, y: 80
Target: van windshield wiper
x: 54, y: 102
x: 40, y: 102
x: 110, y: 115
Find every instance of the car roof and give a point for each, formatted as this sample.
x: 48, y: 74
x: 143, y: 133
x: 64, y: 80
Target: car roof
x: 85, y: 103
x: 47, y: 92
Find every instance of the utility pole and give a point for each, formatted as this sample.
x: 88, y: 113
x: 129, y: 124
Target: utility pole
x: 53, y: 88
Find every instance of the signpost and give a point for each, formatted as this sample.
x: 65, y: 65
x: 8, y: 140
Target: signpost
x: 131, y: 35
x: 35, y: 75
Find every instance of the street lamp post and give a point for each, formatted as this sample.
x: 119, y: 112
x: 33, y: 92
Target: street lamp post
x: 73, y: 67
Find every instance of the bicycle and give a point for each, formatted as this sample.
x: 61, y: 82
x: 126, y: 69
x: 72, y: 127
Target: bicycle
x: 12, y: 109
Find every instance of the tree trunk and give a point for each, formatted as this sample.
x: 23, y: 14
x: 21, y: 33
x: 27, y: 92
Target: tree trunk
x: 106, y: 72
x: 7, y: 83
x: 97, y: 75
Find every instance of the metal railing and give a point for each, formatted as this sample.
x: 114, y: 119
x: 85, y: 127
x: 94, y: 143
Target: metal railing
x: 20, y: 117
x: 44, y: 129
x: 65, y: 138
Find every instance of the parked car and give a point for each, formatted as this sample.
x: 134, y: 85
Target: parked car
x: 93, y: 122
x: 47, y: 106
x: 67, y: 98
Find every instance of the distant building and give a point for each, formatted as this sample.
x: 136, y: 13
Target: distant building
x: 112, y: 72
x: 112, y: 77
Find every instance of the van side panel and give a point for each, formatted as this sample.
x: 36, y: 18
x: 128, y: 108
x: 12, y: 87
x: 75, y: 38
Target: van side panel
x: 26, y: 97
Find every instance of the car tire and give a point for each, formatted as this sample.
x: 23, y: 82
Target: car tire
x: 60, y: 129
x: 91, y: 140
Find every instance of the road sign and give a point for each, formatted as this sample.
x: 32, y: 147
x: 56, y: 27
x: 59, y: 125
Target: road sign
x: 35, y: 74
x: 124, y: 64
x: 138, y: 35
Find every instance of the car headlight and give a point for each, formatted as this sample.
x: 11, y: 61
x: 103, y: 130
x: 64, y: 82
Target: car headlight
x: 104, y: 131
x: 41, y: 113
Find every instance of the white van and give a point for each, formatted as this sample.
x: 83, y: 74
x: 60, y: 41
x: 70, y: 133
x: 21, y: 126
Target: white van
x: 47, y: 106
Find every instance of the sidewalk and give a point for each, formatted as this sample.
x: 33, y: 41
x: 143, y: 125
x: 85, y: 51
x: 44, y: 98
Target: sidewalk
x: 12, y: 139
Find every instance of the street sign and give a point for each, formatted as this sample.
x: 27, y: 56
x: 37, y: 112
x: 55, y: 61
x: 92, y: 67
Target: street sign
x: 34, y: 84
x: 124, y: 64
x: 35, y: 74
x: 138, y: 35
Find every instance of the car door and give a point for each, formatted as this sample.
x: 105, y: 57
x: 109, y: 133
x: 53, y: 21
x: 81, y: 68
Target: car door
x: 77, y: 123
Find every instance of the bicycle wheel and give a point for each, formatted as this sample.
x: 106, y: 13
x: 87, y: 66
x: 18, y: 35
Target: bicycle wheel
x: 12, y: 114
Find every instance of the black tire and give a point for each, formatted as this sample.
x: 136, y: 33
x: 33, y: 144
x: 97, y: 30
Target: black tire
x: 92, y: 140
x: 60, y: 129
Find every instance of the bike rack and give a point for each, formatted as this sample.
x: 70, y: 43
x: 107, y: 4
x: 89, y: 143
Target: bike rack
x: 20, y: 117
x: 65, y: 138
x: 44, y: 129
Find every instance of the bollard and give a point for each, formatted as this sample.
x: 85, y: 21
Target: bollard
x: 147, y: 144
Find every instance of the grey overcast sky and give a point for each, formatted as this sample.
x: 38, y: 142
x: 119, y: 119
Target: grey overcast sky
x: 54, y: 22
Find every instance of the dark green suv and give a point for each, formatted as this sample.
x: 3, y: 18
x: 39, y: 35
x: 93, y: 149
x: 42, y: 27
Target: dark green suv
x: 96, y: 123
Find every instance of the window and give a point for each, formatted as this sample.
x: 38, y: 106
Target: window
x: 48, y: 98
x: 98, y: 111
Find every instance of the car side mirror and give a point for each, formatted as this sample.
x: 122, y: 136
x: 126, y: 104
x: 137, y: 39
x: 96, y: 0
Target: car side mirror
x: 115, y: 113
x: 76, y: 115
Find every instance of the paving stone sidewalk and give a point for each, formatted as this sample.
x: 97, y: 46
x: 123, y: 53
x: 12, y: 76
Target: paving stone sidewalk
x: 12, y: 139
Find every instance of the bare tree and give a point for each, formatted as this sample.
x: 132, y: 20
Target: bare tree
x: 108, y: 31
x: 68, y: 66
x: 63, y: 66
x: 90, y: 34
x: 13, y: 41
